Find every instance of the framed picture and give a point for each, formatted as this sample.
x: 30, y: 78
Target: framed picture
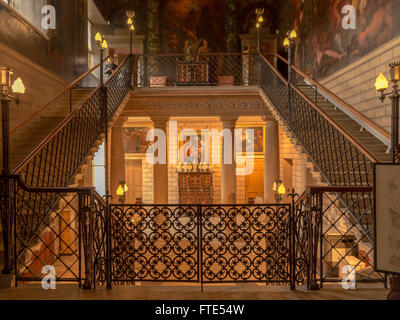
x: 191, y: 148
x: 259, y: 139
x: 387, y: 217
x: 135, y: 139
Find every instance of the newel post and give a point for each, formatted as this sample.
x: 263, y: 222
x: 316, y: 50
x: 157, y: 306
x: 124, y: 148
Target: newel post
x: 86, y: 236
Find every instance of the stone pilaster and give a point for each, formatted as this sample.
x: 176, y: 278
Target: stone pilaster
x: 228, y: 169
x: 160, y: 171
x: 271, y: 158
x: 117, y: 156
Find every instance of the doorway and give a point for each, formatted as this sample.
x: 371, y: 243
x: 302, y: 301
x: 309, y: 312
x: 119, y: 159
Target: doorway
x: 133, y: 177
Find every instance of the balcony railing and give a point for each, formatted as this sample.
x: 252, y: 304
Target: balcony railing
x: 196, y: 70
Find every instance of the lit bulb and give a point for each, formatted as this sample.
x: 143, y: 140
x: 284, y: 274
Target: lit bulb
x: 281, y: 189
x: 132, y: 27
x: 104, y: 44
x: 120, y: 190
x: 381, y: 83
x: 260, y: 19
x: 258, y: 26
x: 129, y: 21
x: 98, y: 37
x: 18, y: 86
x: 274, y: 187
x: 293, y: 35
x: 125, y: 188
x: 286, y: 43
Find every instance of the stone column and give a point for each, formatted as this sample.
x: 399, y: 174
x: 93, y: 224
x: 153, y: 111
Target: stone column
x: 117, y: 157
x: 160, y: 171
x: 228, y: 170
x: 271, y: 158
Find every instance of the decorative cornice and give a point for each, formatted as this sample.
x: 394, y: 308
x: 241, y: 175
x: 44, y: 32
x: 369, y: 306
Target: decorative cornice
x: 196, y: 106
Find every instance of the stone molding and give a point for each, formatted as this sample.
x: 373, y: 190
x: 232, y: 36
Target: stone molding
x: 196, y: 106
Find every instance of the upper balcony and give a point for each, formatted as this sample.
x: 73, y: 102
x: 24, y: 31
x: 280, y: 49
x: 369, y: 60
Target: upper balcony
x: 196, y: 70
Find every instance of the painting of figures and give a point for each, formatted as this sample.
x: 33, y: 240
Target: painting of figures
x: 195, y: 24
x: 135, y: 139
x: 325, y: 46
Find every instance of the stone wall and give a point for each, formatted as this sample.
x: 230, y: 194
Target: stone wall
x: 41, y: 84
x: 63, y: 50
x: 299, y: 170
x: 355, y: 83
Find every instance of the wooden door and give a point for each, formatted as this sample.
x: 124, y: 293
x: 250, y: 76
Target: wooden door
x: 133, y: 177
x: 255, y: 180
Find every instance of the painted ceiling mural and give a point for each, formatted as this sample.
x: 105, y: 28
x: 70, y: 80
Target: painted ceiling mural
x: 185, y: 24
x: 319, y: 25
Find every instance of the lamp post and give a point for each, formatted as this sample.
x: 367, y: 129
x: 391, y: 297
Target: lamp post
x: 121, y: 191
x: 102, y: 43
x: 279, y: 190
x: 289, y: 43
x: 381, y: 85
x: 260, y: 21
x: 130, y: 15
x: 8, y: 94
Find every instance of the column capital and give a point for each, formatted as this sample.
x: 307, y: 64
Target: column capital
x: 160, y: 120
x: 120, y: 121
x: 228, y: 120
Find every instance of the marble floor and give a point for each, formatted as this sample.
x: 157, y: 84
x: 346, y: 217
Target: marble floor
x: 193, y: 292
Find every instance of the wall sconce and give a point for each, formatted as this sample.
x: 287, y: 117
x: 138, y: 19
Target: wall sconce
x: 381, y: 84
x: 279, y: 190
x: 8, y: 90
x: 121, y: 191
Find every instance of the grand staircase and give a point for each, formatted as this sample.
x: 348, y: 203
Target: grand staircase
x: 363, y: 136
x: 57, y: 145
x: 341, y: 142
x: 28, y: 137
x: 53, y: 148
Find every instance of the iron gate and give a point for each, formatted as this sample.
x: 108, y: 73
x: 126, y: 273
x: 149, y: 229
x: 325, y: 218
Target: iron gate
x: 201, y: 243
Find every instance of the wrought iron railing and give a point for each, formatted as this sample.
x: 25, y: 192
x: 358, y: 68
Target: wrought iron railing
x: 196, y: 69
x: 201, y: 243
x: 64, y: 238
x: 328, y: 237
x: 56, y: 160
x: 338, y: 156
x: 322, y: 94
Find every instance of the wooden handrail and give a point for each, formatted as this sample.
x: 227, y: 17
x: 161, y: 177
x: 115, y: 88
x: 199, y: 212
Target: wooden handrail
x: 25, y: 187
x: 352, y: 110
x: 310, y: 190
x: 62, y: 124
x: 368, y: 154
x: 70, y: 86
x: 340, y: 189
